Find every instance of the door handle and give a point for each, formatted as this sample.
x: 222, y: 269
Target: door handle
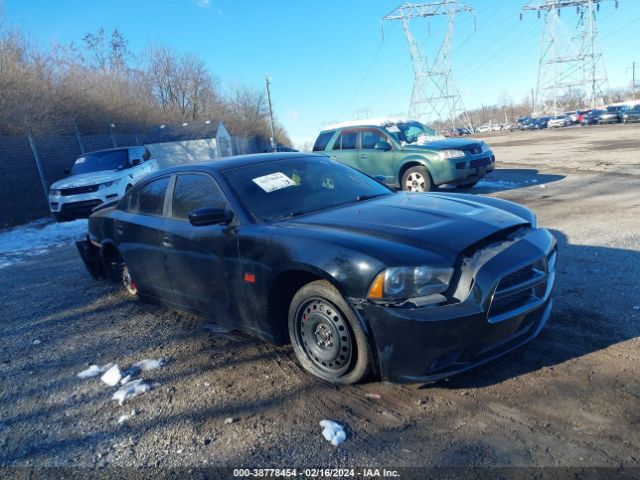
x: 166, y: 242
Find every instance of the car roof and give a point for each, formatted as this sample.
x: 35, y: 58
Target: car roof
x: 234, y: 162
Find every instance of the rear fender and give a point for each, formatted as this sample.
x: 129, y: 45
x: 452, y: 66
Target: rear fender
x: 91, y: 257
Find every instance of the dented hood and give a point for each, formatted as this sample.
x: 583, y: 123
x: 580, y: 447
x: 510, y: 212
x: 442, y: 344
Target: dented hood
x: 441, y: 224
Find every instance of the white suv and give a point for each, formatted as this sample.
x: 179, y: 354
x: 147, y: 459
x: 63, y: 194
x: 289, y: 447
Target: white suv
x: 97, y: 178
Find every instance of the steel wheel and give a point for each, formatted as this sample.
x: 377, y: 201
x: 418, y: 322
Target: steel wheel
x: 324, y: 336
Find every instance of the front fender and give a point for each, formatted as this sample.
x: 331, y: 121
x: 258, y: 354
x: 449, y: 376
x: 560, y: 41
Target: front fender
x: 430, y: 162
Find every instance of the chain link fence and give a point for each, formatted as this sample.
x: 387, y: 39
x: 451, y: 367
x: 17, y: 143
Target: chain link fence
x: 31, y: 162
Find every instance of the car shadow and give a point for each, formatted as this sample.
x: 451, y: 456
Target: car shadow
x: 504, y: 179
x: 596, y: 305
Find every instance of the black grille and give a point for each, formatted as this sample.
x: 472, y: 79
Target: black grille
x: 78, y: 190
x: 516, y: 278
x: 481, y: 162
x: 510, y: 302
x: 79, y: 208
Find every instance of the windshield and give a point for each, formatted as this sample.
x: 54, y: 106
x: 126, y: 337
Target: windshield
x: 287, y: 188
x: 100, y: 161
x: 408, y: 133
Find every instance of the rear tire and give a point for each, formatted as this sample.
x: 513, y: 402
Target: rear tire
x: 326, y: 335
x: 417, y: 179
x: 118, y: 272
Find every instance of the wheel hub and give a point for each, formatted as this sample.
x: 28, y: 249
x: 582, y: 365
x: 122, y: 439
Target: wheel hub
x: 323, y: 335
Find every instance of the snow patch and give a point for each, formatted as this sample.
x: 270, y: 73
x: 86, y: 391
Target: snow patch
x: 124, y: 418
x: 130, y: 390
x: 151, y: 364
x: 497, y: 184
x: 94, y: 371
x: 333, y: 432
x: 112, y: 376
x: 36, y: 238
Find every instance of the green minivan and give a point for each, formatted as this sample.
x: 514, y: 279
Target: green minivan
x: 407, y: 154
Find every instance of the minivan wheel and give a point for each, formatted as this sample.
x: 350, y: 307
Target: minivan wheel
x: 417, y: 179
x: 326, y: 335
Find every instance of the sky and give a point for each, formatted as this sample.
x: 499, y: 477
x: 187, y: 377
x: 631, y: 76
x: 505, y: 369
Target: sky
x: 328, y: 60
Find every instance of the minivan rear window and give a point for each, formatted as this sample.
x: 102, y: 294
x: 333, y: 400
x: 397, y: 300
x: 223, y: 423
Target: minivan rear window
x: 322, y: 141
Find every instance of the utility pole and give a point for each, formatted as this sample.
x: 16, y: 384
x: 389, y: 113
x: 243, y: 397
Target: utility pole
x: 435, y: 96
x: 633, y: 78
x: 273, y: 133
x: 570, y: 62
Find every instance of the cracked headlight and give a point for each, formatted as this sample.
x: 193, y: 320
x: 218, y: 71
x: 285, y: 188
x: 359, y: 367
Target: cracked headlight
x: 402, y: 283
x: 445, y: 154
x: 110, y: 184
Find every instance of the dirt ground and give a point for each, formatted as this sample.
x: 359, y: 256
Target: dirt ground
x: 571, y: 398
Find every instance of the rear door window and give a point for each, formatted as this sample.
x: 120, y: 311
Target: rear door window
x: 195, y: 191
x: 346, y: 141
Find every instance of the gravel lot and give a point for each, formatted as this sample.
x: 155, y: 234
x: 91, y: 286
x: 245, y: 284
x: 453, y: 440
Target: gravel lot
x: 570, y: 398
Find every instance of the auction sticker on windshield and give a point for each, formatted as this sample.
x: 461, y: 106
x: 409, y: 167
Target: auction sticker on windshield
x: 273, y: 181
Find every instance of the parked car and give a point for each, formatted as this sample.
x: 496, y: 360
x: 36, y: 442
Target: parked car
x: 613, y: 114
x: 407, y: 154
x: 526, y: 123
x: 541, y: 122
x: 98, y: 177
x: 632, y: 115
x: 293, y: 247
x: 279, y: 148
x: 590, y: 117
x: 559, y: 121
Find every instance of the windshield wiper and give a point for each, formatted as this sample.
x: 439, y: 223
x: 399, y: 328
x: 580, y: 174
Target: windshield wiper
x: 297, y: 213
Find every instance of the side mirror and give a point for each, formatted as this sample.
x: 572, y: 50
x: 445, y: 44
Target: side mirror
x: 382, y: 146
x: 209, y: 216
x: 135, y: 162
x: 67, y: 171
x: 380, y: 178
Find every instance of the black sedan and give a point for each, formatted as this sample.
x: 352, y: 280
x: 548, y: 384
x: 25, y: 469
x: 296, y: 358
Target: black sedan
x: 299, y: 248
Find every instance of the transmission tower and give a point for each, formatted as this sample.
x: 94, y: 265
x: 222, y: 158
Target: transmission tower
x: 435, y: 95
x: 571, y: 65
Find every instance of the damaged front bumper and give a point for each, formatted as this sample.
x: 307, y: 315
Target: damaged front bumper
x: 507, y: 305
x: 91, y: 257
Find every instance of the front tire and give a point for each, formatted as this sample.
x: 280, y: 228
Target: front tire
x: 417, y: 179
x: 326, y: 335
